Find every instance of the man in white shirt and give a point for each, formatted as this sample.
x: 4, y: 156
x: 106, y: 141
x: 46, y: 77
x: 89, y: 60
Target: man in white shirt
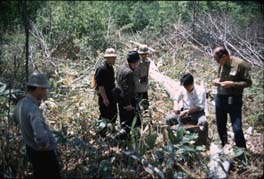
x: 189, y: 107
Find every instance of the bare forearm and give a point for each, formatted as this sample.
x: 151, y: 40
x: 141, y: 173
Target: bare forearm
x: 176, y: 106
x: 193, y: 110
x: 102, y: 92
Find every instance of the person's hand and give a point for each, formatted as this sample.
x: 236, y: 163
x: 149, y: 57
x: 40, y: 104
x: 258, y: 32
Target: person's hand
x: 183, y: 114
x: 216, y: 81
x: 176, y: 111
x: 129, y: 107
x: 45, y: 147
x: 106, y: 102
x: 143, y: 79
x: 227, y: 84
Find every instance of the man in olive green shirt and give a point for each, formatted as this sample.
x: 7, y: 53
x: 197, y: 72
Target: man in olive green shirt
x: 142, y: 77
x: 233, y: 77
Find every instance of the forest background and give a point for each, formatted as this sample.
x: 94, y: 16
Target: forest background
x: 67, y: 39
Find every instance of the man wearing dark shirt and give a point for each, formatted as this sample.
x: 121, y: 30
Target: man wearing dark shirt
x: 233, y: 77
x: 105, y: 80
x: 126, y: 81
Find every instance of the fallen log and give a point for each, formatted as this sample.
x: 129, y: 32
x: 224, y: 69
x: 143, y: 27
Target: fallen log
x: 219, y: 164
x: 139, y: 44
x: 169, y: 84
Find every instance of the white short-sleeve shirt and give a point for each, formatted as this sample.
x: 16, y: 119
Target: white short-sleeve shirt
x: 196, y: 98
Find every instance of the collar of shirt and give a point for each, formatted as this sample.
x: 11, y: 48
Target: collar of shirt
x: 32, y: 99
x: 232, y: 63
x: 107, y: 65
x: 145, y: 61
x: 192, y: 92
x: 193, y: 98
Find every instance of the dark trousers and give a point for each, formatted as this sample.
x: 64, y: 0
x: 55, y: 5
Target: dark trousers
x: 127, y: 117
x: 231, y: 105
x: 109, y: 112
x: 197, y: 118
x: 142, y: 98
x: 45, y: 163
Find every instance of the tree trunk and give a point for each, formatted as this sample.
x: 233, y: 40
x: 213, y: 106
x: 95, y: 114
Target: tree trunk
x: 26, y: 26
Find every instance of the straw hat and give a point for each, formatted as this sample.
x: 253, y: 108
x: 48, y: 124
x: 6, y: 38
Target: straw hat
x: 110, y: 52
x: 143, y: 49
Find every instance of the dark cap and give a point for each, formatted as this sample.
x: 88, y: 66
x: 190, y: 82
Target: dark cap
x: 133, y: 57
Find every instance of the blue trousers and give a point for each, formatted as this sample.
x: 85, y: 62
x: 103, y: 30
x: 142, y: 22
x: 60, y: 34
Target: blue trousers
x: 232, y: 105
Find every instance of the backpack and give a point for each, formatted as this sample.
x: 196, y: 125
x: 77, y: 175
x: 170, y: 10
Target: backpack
x: 93, y: 82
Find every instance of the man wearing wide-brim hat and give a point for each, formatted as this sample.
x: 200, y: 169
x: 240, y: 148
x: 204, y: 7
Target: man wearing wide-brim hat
x: 40, y: 144
x: 105, y: 83
x: 142, y: 76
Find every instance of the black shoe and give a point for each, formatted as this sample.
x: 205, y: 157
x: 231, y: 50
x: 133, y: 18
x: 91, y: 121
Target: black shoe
x: 122, y: 135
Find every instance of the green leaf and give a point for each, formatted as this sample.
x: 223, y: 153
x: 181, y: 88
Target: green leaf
x: 200, y: 148
x: 151, y: 139
x: 189, y: 137
x: 105, y: 169
x: 180, y: 133
x: 171, y: 136
x: 142, y: 148
x: 238, y: 151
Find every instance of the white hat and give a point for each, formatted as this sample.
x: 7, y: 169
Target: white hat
x: 143, y: 49
x: 110, y: 52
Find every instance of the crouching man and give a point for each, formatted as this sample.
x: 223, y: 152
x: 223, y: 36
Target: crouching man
x: 189, y: 107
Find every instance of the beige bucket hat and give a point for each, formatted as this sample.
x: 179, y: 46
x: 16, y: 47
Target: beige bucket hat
x: 110, y: 52
x: 143, y: 49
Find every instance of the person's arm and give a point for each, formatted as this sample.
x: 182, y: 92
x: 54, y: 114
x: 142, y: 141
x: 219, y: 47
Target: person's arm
x: 104, y: 96
x: 244, y: 76
x: 193, y: 110
x: 40, y: 131
x: 186, y: 112
x: 242, y: 84
x: 129, y: 90
x: 200, y: 103
x: 216, y: 82
x: 177, y: 102
x: 100, y: 76
x: 236, y: 84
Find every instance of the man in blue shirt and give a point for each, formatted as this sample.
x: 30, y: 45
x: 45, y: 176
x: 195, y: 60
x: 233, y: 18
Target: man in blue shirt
x: 40, y: 144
